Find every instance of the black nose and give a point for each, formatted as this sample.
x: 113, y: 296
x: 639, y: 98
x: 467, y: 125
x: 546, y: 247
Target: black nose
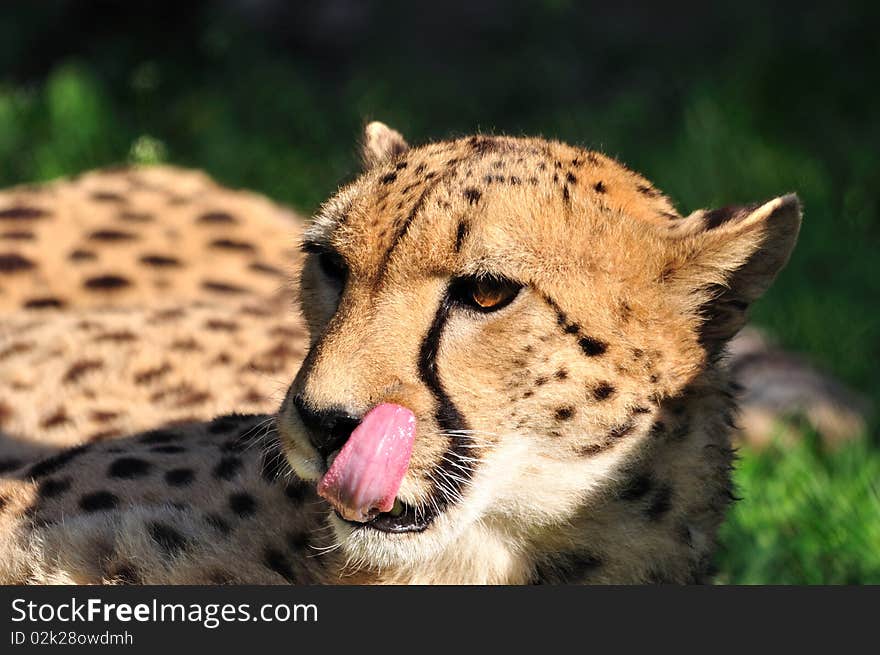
x: 328, y: 429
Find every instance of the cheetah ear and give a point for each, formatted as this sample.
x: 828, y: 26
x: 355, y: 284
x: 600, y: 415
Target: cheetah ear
x: 381, y: 143
x: 728, y: 259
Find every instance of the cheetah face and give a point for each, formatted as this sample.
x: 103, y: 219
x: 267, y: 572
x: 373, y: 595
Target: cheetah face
x: 533, y: 306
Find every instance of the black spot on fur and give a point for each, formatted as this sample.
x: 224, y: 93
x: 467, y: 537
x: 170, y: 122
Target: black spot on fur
x: 222, y: 287
x: 167, y: 538
x: 18, y: 235
x: 217, y: 218
x: 107, y: 196
x: 134, y: 217
x: 98, y: 501
x: 168, y: 450
x: 260, y: 267
x: 125, y: 573
x: 276, y: 561
x: 80, y: 255
x: 683, y: 532
x: 160, y: 261
x: 231, y: 244
x: 21, y: 213
x: 79, y: 368
x: 159, y: 436
x: 566, y: 196
x: 473, y: 195
x: 55, y: 462
x: 599, y: 187
x: 44, y: 303
x: 242, y: 503
x: 389, y: 178
x: 227, y: 422
x: 564, y: 413
x: 180, y: 477
x: 227, y: 467
x: 53, y: 487
x: 296, y: 491
x: 661, y: 503
x: 566, y: 568
x: 129, y: 467
x: 106, y: 283
x: 666, y: 274
x: 237, y: 444
x: 14, y: 263
x: 620, y: 431
x: 561, y: 374
x: 592, y: 347
x: 461, y: 234
x: 637, y: 487
x: 603, y: 390
x: 570, y: 178
x: 297, y: 540
x: 111, y: 235
x: 482, y: 144
x: 9, y: 464
x: 218, y: 523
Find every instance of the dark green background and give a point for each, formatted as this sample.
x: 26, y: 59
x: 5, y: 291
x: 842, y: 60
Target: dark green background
x: 715, y: 105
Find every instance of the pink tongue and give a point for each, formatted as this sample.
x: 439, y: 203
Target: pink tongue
x: 366, y: 474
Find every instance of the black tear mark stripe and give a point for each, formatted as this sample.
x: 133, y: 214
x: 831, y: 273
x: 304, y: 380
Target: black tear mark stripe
x: 591, y: 346
x: 457, y: 464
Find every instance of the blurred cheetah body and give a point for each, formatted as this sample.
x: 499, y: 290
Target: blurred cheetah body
x: 137, y: 297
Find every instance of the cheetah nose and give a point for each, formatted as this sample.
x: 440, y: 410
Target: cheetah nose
x: 327, y: 429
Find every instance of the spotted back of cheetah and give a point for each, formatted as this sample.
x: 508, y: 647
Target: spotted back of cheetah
x: 556, y: 328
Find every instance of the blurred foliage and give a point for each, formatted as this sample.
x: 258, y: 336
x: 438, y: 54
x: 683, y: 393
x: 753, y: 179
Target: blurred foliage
x: 715, y: 106
x: 806, y: 517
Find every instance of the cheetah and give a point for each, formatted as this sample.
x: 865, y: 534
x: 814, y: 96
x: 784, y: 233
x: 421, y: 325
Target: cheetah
x: 512, y: 371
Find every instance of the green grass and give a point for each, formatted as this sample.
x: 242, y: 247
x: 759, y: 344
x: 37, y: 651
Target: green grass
x: 759, y: 111
x: 806, y: 517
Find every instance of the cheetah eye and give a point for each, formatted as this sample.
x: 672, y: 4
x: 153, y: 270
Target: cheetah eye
x: 330, y: 262
x: 333, y: 266
x: 485, y: 293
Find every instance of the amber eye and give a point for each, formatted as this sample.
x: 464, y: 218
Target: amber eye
x: 485, y: 293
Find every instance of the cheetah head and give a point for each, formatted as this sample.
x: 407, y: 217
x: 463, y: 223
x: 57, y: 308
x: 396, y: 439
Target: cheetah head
x: 536, y: 308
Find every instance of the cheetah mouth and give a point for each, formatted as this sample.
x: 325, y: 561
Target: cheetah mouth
x: 402, y: 518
